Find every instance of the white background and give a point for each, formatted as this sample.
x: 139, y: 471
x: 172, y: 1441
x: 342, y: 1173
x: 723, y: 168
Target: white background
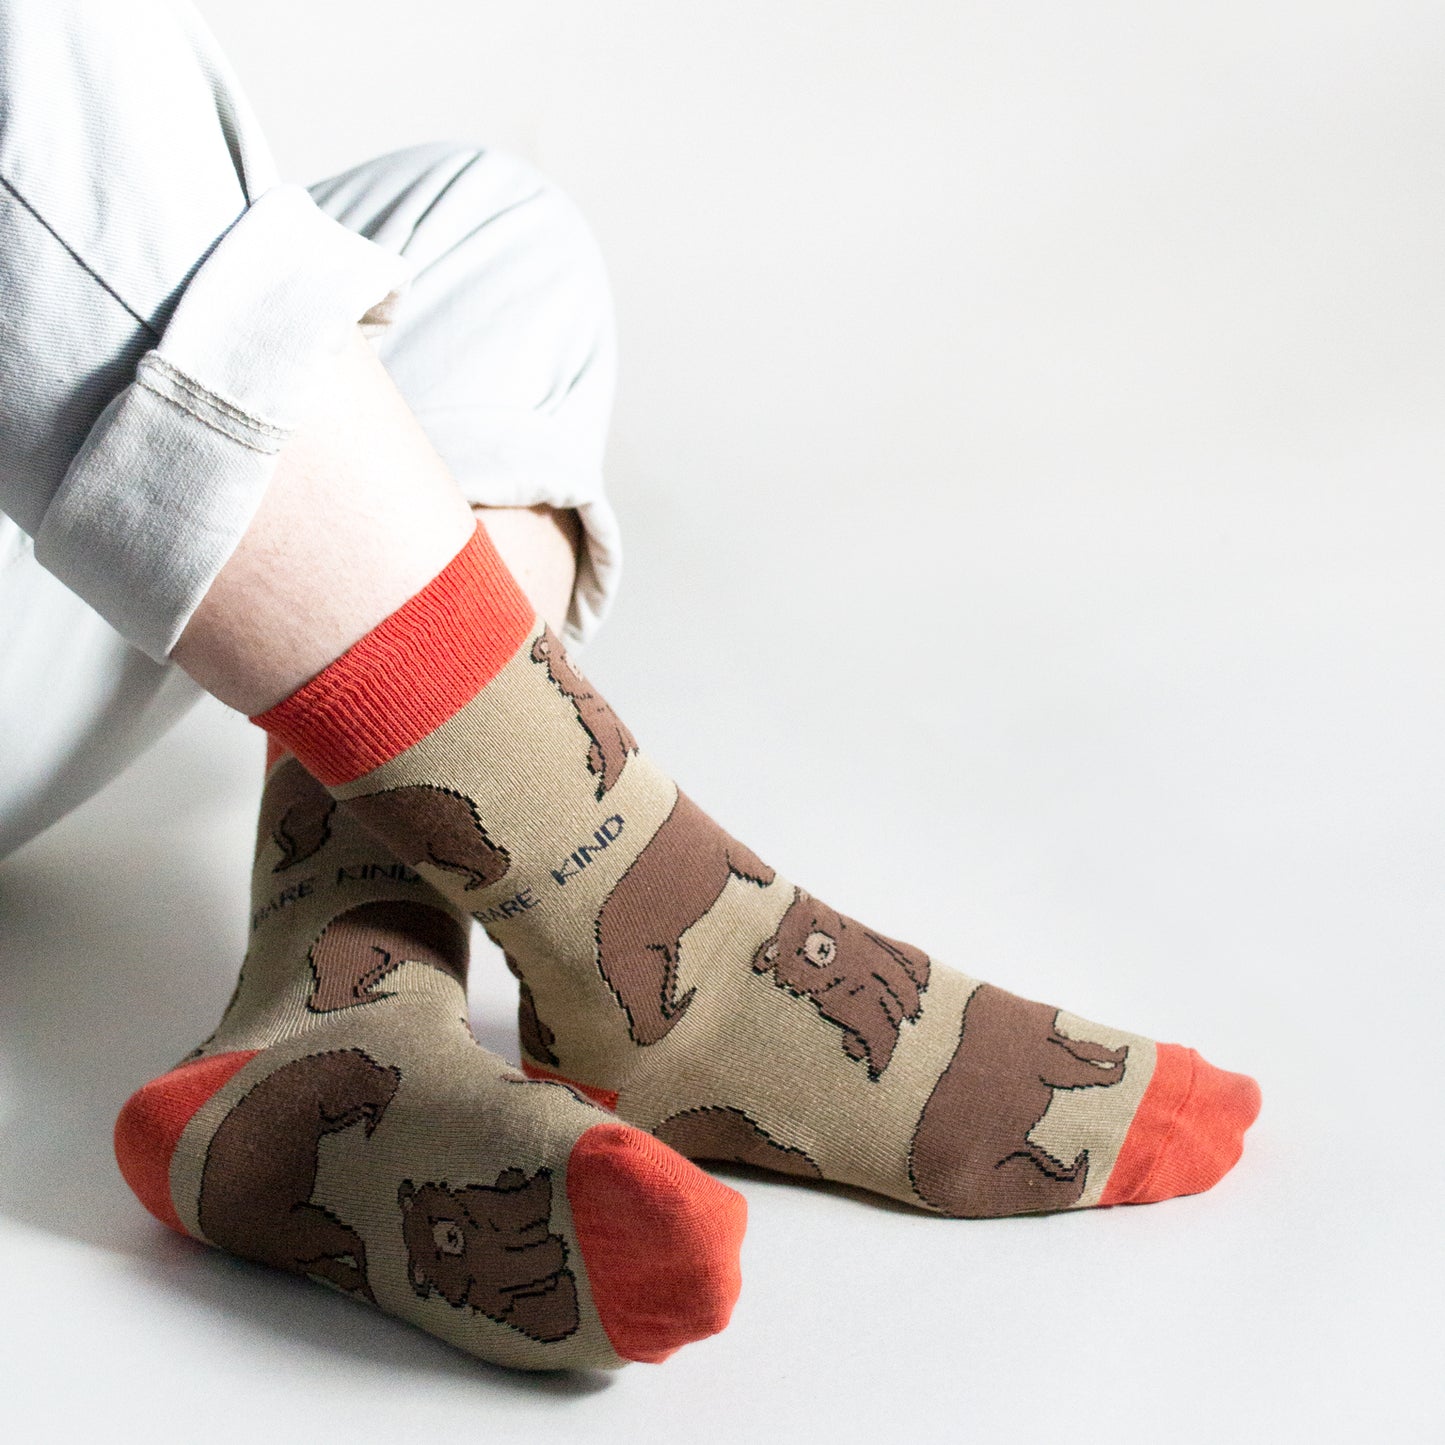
x: 1029, y: 451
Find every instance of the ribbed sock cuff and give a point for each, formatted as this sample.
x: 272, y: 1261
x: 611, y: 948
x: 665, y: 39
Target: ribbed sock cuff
x: 410, y: 673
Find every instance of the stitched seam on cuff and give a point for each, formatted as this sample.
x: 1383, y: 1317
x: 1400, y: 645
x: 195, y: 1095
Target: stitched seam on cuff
x: 156, y: 362
x: 212, y: 411
x: 236, y: 435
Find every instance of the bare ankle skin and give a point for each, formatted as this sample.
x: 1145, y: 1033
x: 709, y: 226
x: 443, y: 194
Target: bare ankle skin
x: 539, y: 546
x: 360, y: 514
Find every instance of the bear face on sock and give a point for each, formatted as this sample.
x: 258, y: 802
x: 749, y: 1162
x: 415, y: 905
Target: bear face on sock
x: 865, y: 983
x: 489, y: 1248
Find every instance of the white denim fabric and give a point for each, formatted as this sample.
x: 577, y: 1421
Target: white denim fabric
x: 165, y: 304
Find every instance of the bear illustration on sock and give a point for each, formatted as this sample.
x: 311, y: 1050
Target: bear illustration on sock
x: 448, y: 833
x: 611, y: 742
x: 296, y: 815
x: 865, y: 983
x: 971, y: 1154
x: 360, y: 947
x: 535, y: 1037
x: 260, y: 1167
x: 489, y: 1247
x: 729, y: 1136
x: 672, y: 882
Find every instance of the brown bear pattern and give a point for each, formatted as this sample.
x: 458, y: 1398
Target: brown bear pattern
x: 611, y: 742
x: 971, y: 1155
x: 360, y: 947
x: 489, y: 1247
x: 676, y: 879
x: 445, y: 824
x: 260, y: 1167
x: 297, y: 815
x: 865, y: 983
x: 727, y: 1135
x: 536, y: 1038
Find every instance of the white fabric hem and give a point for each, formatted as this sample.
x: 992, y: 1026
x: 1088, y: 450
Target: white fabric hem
x: 170, y: 476
x: 525, y: 459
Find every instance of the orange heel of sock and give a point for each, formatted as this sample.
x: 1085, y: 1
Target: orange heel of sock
x: 660, y: 1239
x: 152, y: 1121
x: 604, y: 1098
x: 1188, y: 1132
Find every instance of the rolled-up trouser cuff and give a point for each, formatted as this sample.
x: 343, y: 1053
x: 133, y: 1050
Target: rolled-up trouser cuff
x: 507, y: 458
x: 171, y: 474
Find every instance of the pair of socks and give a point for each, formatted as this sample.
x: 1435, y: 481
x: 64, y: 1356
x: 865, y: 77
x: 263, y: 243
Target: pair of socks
x: 679, y: 1000
x: 342, y: 1123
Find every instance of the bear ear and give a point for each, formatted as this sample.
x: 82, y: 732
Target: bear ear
x: 404, y: 1194
x: 510, y: 1179
x: 541, y: 647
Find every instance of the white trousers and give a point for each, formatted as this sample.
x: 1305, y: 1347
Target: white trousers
x: 165, y: 306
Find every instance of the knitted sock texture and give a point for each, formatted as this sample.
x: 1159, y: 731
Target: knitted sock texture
x: 673, y: 976
x: 343, y: 1124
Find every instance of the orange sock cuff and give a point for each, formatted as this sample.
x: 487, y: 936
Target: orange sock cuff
x: 410, y: 673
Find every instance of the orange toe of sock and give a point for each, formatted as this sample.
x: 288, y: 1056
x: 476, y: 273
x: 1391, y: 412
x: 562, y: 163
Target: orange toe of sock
x: 1188, y: 1132
x: 660, y: 1240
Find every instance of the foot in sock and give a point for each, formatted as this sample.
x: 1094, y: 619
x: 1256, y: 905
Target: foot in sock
x: 676, y: 978
x: 343, y: 1124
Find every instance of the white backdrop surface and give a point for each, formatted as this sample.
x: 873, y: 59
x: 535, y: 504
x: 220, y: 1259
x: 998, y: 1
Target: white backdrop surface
x: 1029, y: 450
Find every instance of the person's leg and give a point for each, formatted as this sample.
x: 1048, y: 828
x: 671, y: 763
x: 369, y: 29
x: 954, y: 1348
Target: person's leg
x: 78, y: 703
x: 502, y: 345
x: 449, y: 1190
x: 506, y: 384
x: 134, y: 436
x: 135, y: 454
x: 677, y: 977
x: 88, y: 289
x: 167, y: 303
x: 457, y: 696
x: 539, y: 546
x: 359, y: 514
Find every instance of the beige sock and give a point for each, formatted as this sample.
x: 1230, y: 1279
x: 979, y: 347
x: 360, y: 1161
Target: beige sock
x: 677, y: 978
x: 343, y: 1124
